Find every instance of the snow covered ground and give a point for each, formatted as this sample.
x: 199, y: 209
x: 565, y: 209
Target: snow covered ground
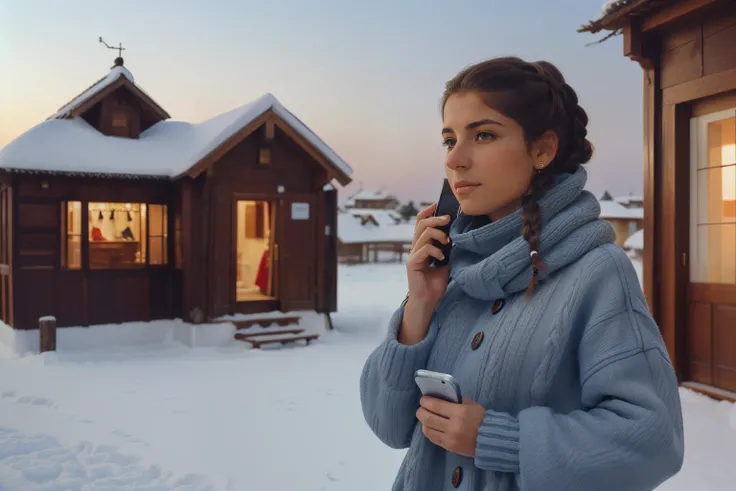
x: 169, y: 417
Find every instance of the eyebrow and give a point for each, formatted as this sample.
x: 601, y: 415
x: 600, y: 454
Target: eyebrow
x: 474, y: 125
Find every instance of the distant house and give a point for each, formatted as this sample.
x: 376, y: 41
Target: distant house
x: 685, y: 49
x: 113, y: 213
x: 630, y: 201
x: 379, y: 216
x: 363, y: 241
x: 380, y: 200
x: 625, y: 221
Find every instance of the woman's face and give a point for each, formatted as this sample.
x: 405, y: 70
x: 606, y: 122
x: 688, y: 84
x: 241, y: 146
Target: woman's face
x: 488, y: 163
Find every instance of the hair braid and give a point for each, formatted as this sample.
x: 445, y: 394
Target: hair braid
x: 532, y: 221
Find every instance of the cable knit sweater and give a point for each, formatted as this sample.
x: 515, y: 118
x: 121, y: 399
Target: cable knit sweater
x: 578, y: 388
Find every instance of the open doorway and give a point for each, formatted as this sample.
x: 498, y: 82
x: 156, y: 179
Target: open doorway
x: 256, y: 222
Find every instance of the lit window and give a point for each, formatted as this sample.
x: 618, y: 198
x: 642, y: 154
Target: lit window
x: 713, y: 226
x: 117, y: 235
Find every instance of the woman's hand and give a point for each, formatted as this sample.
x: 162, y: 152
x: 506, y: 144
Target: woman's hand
x: 452, y: 426
x: 427, y: 285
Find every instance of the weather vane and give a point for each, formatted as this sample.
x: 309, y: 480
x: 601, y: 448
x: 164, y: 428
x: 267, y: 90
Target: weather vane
x: 119, y: 48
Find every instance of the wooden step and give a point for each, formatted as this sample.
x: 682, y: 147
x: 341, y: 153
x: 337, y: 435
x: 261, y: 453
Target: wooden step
x: 280, y: 338
x: 244, y: 336
x: 265, y: 321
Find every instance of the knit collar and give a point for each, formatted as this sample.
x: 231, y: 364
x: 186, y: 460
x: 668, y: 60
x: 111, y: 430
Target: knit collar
x: 492, y: 261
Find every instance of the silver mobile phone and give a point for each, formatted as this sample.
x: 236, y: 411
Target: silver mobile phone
x: 439, y: 385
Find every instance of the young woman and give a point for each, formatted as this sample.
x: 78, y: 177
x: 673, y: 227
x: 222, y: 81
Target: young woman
x: 540, y: 317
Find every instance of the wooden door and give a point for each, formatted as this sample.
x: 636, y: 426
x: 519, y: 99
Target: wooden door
x: 330, y: 252
x: 711, y: 327
x: 297, y: 253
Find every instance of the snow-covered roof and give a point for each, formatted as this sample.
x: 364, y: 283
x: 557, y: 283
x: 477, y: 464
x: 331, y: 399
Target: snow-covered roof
x: 383, y: 217
x: 625, y: 200
x: 115, y: 73
x: 365, y: 194
x: 613, y: 12
x: 635, y: 241
x: 167, y: 149
x: 350, y: 231
x: 613, y: 210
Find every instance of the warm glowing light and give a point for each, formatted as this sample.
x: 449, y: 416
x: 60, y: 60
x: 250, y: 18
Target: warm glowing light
x: 728, y: 177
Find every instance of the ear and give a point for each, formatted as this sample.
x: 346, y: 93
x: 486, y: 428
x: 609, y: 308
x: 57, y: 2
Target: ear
x: 545, y: 149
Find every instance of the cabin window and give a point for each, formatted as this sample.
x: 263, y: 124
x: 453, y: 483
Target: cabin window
x: 157, y: 234
x: 713, y: 202
x: 117, y: 235
x: 71, y: 236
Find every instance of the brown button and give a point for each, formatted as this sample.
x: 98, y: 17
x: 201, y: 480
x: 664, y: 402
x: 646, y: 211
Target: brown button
x: 477, y: 339
x: 497, y: 306
x: 457, y: 477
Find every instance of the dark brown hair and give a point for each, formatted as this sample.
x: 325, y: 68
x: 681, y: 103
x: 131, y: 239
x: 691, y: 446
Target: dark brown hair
x: 536, y: 96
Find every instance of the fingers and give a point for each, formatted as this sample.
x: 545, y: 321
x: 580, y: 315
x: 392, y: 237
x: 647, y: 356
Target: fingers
x: 438, y: 406
x: 431, y: 420
x: 429, y: 234
x: 418, y: 258
x: 427, y: 212
x: 428, y: 224
x: 434, y: 436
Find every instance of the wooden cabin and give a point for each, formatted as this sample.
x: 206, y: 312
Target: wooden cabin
x: 686, y: 51
x: 112, y: 213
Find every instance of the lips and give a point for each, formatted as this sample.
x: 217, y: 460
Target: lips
x: 464, y: 187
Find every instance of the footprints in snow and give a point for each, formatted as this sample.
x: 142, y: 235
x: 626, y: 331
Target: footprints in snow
x: 30, y: 400
x: 46, y: 402
x: 40, y: 462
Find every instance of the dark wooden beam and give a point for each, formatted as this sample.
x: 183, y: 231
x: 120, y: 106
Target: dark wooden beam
x: 700, y: 87
x: 674, y: 11
x: 269, y: 132
x: 635, y: 46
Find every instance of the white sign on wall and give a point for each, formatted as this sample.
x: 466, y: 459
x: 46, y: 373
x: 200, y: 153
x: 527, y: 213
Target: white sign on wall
x: 300, y: 211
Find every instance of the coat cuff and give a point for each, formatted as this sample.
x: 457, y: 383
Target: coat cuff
x: 399, y: 361
x: 497, y: 445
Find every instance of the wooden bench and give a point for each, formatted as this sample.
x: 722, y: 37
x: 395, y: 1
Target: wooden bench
x: 259, y: 341
x: 266, y: 321
x: 245, y: 336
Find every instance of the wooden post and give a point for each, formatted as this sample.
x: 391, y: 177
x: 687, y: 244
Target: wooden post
x: 47, y: 330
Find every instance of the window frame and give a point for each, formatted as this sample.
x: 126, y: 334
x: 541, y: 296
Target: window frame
x: 167, y: 246
x: 699, y: 147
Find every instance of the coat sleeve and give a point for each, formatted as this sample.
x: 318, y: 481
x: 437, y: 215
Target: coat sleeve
x: 388, y: 394
x: 628, y: 433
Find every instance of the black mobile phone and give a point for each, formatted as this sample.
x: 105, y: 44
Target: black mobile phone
x: 447, y: 204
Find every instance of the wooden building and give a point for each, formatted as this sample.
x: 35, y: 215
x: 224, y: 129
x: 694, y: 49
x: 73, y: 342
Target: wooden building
x: 625, y: 221
x: 110, y: 213
x: 686, y: 52
x: 369, y: 241
x: 377, y: 200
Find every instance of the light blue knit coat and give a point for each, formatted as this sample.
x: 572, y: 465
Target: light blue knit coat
x: 577, y: 384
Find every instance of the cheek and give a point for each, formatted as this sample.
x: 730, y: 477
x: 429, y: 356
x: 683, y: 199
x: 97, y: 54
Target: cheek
x: 504, y: 167
x: 505, y: 172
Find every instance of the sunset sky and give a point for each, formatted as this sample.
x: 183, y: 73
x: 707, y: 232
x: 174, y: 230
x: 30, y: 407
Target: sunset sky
x: 366, y: 76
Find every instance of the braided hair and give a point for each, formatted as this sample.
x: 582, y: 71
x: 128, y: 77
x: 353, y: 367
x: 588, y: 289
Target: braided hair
x: 535, y: 95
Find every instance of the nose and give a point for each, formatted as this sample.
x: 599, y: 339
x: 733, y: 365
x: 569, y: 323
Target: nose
x: 457, y: 158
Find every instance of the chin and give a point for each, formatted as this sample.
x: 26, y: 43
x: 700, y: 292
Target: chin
x: 473, y: 207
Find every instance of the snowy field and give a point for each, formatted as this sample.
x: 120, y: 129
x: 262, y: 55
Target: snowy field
x: 169, y: 417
